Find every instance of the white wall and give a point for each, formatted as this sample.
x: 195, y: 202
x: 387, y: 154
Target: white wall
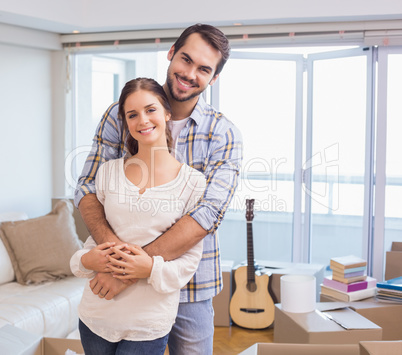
x: 60, y: 111
x: 25, y: 130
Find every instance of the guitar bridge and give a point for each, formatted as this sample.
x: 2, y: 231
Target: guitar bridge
x: 252, y: 310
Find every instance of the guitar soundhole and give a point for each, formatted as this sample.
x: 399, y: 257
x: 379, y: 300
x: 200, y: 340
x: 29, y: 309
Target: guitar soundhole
x: 252, y: 286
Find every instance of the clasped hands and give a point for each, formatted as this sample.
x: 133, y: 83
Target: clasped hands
x: 117, y: 266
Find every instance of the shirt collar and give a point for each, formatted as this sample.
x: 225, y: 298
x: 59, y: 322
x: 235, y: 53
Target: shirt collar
x: 199, y: 110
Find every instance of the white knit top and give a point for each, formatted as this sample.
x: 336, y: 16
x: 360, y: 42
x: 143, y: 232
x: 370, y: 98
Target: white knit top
x: 147, y: 309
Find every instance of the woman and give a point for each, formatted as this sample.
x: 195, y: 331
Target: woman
x: 143, y: 196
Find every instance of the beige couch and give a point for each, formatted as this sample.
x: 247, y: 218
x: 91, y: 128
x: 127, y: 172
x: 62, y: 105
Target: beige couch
x: 38, y: 293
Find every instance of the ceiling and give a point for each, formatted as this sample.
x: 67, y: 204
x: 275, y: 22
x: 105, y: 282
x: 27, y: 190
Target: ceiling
x: 89, y: 16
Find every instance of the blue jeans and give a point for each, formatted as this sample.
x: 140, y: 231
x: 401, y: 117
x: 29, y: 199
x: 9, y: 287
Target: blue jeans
x: 96, y: 345
x: 193, y: 332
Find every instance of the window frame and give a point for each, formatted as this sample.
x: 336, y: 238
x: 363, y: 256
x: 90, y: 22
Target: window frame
x: 373, y: 239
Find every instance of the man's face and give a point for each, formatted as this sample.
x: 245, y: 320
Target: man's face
x: 192, y: 68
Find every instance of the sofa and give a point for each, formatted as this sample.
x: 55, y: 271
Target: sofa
x: 38, y: 292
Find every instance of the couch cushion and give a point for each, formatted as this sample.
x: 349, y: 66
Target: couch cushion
x: 40, y: 248
x: 49, y: 309
x: 6, y: 267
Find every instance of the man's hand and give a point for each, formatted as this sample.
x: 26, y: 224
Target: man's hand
x: 96, y: 259
x: 106, y: 286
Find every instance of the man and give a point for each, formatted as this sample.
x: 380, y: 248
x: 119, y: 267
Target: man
x: 204, y: 139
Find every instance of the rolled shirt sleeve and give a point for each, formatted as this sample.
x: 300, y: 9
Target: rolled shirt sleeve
x: 75, y: 262
x: 108, y: 143
x: 222, y: 171
x: 170, y: 276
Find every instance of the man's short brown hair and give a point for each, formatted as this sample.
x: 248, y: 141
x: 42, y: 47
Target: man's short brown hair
x: 212, y: 36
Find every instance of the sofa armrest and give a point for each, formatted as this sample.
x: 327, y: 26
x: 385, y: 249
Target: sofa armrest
x: 6, y: 268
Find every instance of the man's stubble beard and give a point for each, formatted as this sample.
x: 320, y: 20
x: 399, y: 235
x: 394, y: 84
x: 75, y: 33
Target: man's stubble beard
x: 169, y: 82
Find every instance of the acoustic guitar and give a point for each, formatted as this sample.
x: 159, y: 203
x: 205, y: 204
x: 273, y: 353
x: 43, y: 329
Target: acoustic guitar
x: 251, y: 305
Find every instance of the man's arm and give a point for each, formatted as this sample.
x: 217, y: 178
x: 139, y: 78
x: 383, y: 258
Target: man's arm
x: 221, y: 174
x: 181, y: 237
x: 93, y: 214
x: 108, y: 143
x: 103, y: 284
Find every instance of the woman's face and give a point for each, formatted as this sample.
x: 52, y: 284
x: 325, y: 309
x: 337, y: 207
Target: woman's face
x: 146, y: 118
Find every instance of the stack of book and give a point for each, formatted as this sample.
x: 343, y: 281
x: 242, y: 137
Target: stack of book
x: 348, y: 281
x: 390, y: 290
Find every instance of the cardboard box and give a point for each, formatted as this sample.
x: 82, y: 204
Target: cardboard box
x: 393, y: 261
x: 301, y: 349
x: 316, y: 328
x: 221, y: 301
x: 381, y: 348
x: 57, y: 346
x: 276, y: 269
x: 15, y: 341
x: 396, y: 246
x: 386, y: 315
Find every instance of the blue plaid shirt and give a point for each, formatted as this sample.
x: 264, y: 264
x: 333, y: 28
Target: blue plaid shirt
x: 210, y: 143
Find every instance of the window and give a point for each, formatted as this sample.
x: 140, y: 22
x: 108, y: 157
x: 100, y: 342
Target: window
x: 98, y: 81
x: 304, y: 118
x: 339, y: 124
x: 259, y: 92
x: 313, y: 148
x: 388, y: 184
x: 393, y: 189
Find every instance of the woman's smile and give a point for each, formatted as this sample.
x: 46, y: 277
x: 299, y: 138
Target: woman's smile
x: 146, y: 130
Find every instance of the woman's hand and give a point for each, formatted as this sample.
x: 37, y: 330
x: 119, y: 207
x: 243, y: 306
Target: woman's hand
x: 130, y: 262
x: 96, y: 259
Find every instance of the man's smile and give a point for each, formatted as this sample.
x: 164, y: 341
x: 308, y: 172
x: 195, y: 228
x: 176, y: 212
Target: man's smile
x: 186, y: 84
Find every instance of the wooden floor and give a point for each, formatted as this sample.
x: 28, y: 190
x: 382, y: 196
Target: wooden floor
x: 233, y: 340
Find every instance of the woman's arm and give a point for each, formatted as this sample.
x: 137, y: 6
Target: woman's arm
x: 91, y: 255
x: 90, y: 259
x: 169, y: 276
x: 165, y: 277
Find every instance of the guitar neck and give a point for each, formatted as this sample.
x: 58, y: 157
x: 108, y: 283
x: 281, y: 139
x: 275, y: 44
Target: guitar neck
x: 251, y: 306
x: 250, y: 254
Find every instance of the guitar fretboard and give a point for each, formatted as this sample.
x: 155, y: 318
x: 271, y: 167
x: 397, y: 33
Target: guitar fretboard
x: 250, y: 254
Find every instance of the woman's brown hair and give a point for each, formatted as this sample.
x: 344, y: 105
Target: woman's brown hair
x: 153, y: 87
